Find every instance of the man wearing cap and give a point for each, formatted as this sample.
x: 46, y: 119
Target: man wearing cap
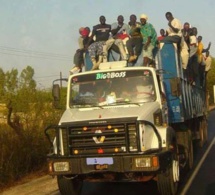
x: 149, y: 40
x: 83, y: 40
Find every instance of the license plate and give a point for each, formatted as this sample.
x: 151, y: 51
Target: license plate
x: 100, y: 161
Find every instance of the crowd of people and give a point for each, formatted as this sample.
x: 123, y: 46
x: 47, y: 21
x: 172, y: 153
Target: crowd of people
x: 140, y: 38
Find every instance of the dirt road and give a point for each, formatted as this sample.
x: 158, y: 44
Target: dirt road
x: 45, y: 185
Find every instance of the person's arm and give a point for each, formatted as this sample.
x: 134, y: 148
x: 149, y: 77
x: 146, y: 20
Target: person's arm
x: 90, y: 40
x: 80, y: 42
x: 174, y: 25
x: 176, y: 30
x: 207, y: 49
x: 115, y: 30
x: 147, y: 43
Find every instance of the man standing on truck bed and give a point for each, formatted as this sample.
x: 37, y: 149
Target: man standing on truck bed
x: 149, y: 40
x: 102, y: 33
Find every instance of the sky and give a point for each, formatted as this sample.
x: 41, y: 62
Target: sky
x: 44, y: 34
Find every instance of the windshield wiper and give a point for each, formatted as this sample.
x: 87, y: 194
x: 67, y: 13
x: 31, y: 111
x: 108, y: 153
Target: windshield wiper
x: 123, y: 102
x: 78, y: 105
x: 128, y: 102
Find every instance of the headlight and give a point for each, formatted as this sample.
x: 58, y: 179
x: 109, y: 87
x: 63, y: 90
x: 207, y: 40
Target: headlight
x: 143, y: 162
x: 147, y: 162
x: 61, y: 166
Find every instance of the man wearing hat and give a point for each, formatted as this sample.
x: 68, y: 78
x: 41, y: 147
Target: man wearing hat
x: 83, y: 40
x: 149, y: 40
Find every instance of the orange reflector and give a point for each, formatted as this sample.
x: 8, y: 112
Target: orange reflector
x: 116, y: 150
x: 100, y: 151
x: 116, y: 130
x: 75, y: 151
x: 50, y: 167
x: 155, y: 162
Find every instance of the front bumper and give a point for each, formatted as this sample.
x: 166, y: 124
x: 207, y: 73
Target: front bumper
x: 120, y: 164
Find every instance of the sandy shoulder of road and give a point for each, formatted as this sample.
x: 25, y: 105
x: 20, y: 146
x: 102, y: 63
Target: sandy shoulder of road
x: 42, y: 185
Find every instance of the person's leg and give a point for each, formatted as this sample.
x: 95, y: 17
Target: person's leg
x: 129, y: 45
x: 138, y: 42
x: 106, y: 46
x: 92, y: 50
x: 196, y: 70
x: 120, y: 45
x: 189, y: 71
x: 124, y: 41
x: 100, y: 52
x: 171, y: 39
x: 148, y: 55
x: 201, y: 75
x: 78, y: 61
x: 92, y: 53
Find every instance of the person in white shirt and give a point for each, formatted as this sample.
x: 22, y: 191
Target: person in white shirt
x: 120, y: 35
x: 174, y: 33
x: 208, y: 62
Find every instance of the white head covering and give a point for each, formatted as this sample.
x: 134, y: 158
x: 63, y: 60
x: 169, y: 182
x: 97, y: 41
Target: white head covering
x: 144, y: 16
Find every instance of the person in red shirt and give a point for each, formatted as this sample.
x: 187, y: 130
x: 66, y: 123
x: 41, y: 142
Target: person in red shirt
x: 162, y: 35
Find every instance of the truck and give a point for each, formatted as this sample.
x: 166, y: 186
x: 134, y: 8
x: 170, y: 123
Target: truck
x: 128, y: 123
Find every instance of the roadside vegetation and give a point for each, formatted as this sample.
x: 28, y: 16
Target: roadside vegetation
x: 25, y: 112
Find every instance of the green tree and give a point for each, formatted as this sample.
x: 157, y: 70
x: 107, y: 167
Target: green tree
x: 23, y: 146
x: 26, y: 79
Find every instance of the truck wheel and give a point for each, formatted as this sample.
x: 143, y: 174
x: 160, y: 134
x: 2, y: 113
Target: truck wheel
x: 69, y: 186
x: 168, y: 180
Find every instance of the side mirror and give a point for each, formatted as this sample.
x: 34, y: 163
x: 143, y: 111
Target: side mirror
x: 56, y: 95
x: 175, y: 84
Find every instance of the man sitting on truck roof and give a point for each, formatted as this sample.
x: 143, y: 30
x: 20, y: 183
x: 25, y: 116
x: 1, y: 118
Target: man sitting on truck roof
x: 135, y: 43
x: 120, y: 33
x: 174, y: 33
x: 79, y: 54
x: 102, y: 33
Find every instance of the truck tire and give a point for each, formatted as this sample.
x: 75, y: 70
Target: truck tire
x: 168, y: 180
x: 69, y: 186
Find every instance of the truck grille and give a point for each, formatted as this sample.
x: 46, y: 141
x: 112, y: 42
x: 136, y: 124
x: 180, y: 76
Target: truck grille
x: 101, y: 139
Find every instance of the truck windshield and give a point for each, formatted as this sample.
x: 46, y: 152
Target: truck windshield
x: 112, y: 88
